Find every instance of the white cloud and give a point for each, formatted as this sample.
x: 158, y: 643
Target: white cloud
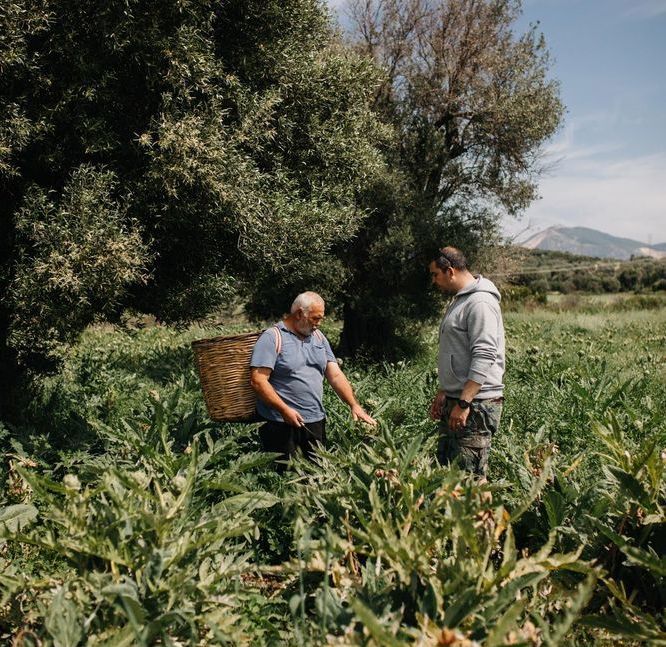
x: 645, y: 8
x: 622, y: 197
x: 599, y: 186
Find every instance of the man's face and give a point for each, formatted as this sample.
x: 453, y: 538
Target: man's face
x: 306, y: 322
x: 442, y: 279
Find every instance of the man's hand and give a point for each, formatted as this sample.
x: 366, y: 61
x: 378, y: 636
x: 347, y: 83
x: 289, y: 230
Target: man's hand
x: 458, y: 418
x: 358, y: 413
x: 340, y: 384
x: 292, y: 417
x: 437, y: 406
x: 259, y: 377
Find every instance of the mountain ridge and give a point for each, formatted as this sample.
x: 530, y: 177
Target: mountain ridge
x: 591, y: 242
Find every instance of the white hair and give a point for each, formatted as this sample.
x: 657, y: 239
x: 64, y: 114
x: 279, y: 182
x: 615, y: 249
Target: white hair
x: 305, y: 301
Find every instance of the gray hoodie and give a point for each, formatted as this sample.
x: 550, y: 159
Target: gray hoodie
x: 471, y: 341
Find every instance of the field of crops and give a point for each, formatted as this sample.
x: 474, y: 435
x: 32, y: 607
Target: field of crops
x: 128, y: 518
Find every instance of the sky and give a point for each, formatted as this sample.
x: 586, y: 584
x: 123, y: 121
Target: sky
x: 607, y: 163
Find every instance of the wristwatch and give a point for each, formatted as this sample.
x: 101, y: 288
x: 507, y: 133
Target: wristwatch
x: 464, y: 404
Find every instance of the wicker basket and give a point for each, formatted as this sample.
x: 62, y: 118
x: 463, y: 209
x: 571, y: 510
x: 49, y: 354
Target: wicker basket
x: 224, y: 369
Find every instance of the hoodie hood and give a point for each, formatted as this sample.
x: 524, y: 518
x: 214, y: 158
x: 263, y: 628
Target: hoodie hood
x: 481, y: 284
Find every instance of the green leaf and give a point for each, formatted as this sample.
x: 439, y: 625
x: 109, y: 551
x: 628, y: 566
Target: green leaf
x: 16, y: 517
x: 248, y: 501
x: 374, y: 626
x: 509, y: 594
x: 555, y: 506
x: 410, y: 454
x: 10, y: 585
x: 463, y: 605
x: 506, y: 622
x: 509, y: 553
x: 431, y: 600
x: 638, y: 556
x: 623, y: 627
x: 571, y: 614
x: 125, y: 637
x: 536, y: 488
x: 630, y: 484
x: 63, y: 622
x: 294, y: 604
x: 227, y: 486
x: 363, y: 478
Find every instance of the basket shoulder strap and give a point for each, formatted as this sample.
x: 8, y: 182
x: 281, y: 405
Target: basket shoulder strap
x: 319, y: 335
x: 278, y: 340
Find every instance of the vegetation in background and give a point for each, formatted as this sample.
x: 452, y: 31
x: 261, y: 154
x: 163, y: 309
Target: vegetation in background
x: 172, y: 157
x: 545, y: 271
x: 130, y: 517
x: 472, y: 104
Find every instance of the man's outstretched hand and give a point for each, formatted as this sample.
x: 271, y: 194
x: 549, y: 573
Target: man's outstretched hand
x: 358, y: 413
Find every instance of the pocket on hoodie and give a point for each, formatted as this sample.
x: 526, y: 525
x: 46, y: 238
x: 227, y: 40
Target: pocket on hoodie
x: 459, y: 367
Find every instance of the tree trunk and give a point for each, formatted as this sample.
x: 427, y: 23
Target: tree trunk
x: 11, y: 376
x: 368, y: 333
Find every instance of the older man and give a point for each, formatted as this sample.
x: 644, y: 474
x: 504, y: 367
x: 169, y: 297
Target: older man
x: 288, y: 366
x: 471, y: 363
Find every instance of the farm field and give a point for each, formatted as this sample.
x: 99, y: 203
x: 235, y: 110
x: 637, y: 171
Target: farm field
x: 129, y: 518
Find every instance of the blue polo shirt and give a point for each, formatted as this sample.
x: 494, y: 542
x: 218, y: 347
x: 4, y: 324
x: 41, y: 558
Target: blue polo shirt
x: 297, y: 372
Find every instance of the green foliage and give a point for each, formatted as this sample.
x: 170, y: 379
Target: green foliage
x: 19, y: 20
x: 171, y: 157
x: 75, y: 261
x: 588, y: 390
x: 543, y: 271
x: 471, y: 97
x: 242, y: 151
x: 153, y: 524
x: 419, y: 549
x: 150, y: 550
x: 471, y: 104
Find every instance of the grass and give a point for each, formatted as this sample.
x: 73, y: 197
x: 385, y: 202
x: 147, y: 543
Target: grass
x: 157, y: 526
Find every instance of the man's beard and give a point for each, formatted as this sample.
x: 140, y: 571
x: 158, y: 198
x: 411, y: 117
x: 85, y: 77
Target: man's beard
x: 303, y: 328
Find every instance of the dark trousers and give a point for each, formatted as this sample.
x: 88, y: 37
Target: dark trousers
x: 286, y: 440
x: 471, y: 445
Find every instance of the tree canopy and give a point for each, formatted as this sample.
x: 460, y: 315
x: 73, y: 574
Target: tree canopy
x: 174, y: 155
x: 471, y: 105
x: 471, y: 99
x: 166, y: 156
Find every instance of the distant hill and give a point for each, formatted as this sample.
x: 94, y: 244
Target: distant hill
x: 590, y: 242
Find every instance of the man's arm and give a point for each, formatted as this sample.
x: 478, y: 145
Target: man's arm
x: 458, y: 416
x: 483, y: 323
x: 264, y: 390
x: 340, y: 384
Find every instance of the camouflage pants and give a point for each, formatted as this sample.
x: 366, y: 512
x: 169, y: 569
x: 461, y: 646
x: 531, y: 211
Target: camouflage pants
x: 471, y: 445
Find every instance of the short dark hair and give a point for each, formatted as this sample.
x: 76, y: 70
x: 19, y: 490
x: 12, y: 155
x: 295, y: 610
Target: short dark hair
x: 450, y: 257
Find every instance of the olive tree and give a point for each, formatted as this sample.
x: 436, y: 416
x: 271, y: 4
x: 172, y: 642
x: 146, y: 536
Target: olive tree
x: 472, y: 105
x: 167, y: 156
